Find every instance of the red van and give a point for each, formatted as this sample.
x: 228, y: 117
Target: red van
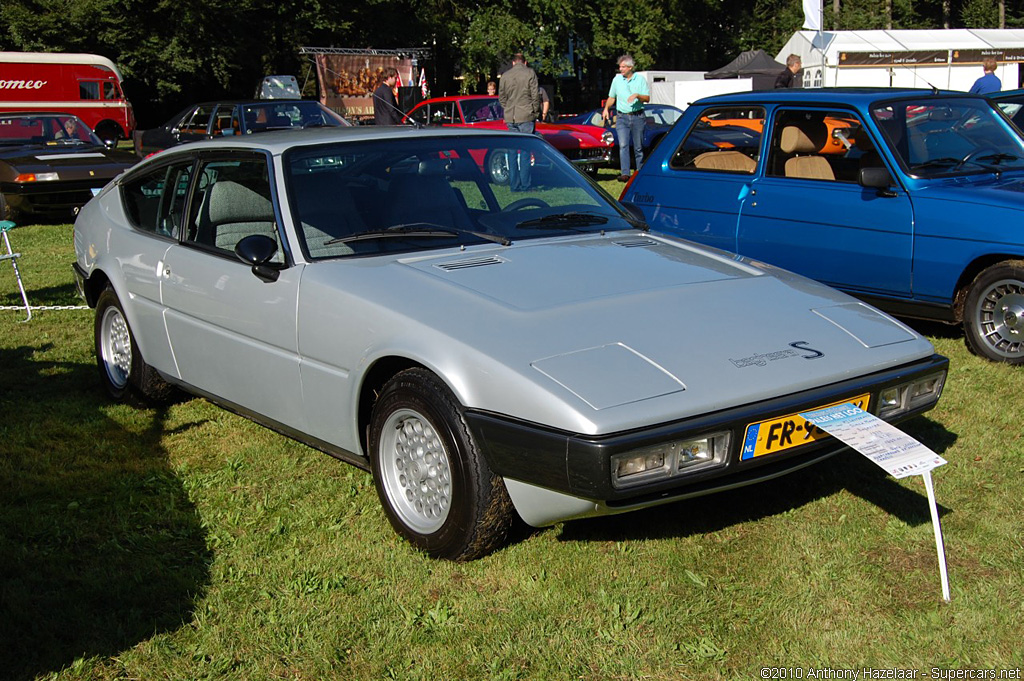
x: 85, y: 85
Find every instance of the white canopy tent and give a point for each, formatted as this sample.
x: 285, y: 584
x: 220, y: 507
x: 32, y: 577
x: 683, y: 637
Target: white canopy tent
x: 946, y: 59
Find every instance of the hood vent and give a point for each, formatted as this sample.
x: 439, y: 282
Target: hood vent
x: 639, y: 242
x: 472, y: 262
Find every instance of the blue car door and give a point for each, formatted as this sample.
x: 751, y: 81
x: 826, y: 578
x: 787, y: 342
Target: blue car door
x: 806, y: 211
x: 703, y: 184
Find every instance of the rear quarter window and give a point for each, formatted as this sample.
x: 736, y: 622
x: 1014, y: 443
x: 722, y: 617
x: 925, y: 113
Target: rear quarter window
x: 723, y: 139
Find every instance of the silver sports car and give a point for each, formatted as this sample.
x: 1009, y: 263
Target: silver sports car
x: 376, y: 294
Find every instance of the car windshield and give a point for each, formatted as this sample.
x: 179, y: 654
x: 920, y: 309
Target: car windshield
x: 936, y: 137
x: 280, y: 115
x: 417, y: 193
x: 45, y: 130
x: 476, y: 110
x: 662, y: 115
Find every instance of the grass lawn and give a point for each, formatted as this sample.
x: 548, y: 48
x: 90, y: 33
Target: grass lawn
x: 184, y: 542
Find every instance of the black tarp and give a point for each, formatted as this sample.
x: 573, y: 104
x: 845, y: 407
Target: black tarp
x: 754, y: 64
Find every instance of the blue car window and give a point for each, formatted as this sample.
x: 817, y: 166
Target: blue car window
x: 937, y: 137
x: 815, y: 144
x: 722, y: 140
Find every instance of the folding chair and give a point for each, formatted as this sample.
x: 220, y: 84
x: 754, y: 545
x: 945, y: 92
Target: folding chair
x: 6, y: 226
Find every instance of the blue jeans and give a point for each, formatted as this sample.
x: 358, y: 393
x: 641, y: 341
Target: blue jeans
x: 626, y: 126
x: 519, y: 161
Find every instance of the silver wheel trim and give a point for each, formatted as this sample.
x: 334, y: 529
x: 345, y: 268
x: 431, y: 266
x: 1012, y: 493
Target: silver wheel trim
x: 999, y: 318
x: 499, y: 166
x: 116, y: 347
x: 415, y: 471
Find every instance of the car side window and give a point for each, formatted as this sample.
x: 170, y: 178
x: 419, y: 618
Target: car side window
x: 88, y: 89
x: 225, y: 121
x: 155, y: 201
x: 197, y: 122
x: 232, y: 200
x: 820, y: 145
x: 419, y: 114
x: 442, y: 114
x: 723, y: 139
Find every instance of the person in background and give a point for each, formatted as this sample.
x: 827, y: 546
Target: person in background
x: 788, y: 77
x: 545, y: 104
x: 492, y: 88
x: 68, y: 131
x: 385, y: 106
x: 520, y: 100
x: 989, y: 82
x: 628, y: 93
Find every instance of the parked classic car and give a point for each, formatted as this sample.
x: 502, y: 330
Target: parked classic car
x: 224, y: 119
x: 917, y: 214
x: 51, y: 164
x: 658, y: 118
x: 376, y: 294
x: 1011, y: 102
x: 587, y: 148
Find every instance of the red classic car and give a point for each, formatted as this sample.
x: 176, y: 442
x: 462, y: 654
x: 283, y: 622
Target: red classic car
x: 587, y: 148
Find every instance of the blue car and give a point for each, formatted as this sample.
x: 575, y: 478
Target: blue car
x: 909, y: 199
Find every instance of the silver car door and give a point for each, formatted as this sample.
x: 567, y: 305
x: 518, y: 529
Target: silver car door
x: 232, y: 332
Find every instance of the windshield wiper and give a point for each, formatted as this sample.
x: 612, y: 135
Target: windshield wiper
x: 569, y: 220
x: 943, y: 162
x: 418, y: 230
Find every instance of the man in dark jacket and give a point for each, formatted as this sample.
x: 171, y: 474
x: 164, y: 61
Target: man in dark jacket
x: 520, y: 99
x: 385, y: 106
x: 787, y: 78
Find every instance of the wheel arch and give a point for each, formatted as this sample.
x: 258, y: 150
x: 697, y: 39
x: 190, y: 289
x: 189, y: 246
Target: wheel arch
x: 376, y: 377
x: 94, y: 286
x: 110, y: 124
x: 971, y: 272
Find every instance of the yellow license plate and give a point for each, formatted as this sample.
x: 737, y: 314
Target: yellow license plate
x: 786, y: 432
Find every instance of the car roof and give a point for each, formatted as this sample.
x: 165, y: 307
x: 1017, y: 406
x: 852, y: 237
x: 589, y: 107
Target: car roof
x: 455, y: 98
x: 236, y: 102
x: 1007, y: 94
x: 279, y: 141
x: 858, y: 96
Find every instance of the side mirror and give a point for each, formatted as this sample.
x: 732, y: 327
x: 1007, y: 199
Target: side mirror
x: 877, y: 178
x: 257, y: 250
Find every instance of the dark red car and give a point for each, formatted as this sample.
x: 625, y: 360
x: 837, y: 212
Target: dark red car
x: 585, y: 146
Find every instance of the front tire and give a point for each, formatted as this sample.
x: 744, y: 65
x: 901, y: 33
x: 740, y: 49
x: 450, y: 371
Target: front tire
x: 433, y: 482
x: 994, y: 313
x: 497, y: 166
x: 123, y: 372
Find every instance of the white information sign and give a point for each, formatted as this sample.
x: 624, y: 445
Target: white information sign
x: 892, y: 449
x: 888, y: 446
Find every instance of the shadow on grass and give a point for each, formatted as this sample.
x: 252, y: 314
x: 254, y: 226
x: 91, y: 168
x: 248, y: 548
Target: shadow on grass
x: 100, y: 546
x: 65, y: 294
x: 715, y: 512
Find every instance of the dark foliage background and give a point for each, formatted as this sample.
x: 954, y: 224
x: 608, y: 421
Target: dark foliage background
x: 174, y: 53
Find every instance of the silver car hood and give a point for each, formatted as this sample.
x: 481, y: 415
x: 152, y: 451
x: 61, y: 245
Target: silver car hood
x: 602, y: 333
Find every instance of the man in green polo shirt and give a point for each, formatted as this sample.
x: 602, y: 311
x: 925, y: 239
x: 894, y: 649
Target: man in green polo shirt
x: 628, y: 93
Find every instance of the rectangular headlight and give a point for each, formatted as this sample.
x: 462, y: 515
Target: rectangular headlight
x: 669, y: 459
x: 906, y: 397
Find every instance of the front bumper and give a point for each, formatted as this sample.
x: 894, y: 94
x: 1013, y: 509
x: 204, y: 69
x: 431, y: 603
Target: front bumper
x: 580, y: 465
x: 593, y: 157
